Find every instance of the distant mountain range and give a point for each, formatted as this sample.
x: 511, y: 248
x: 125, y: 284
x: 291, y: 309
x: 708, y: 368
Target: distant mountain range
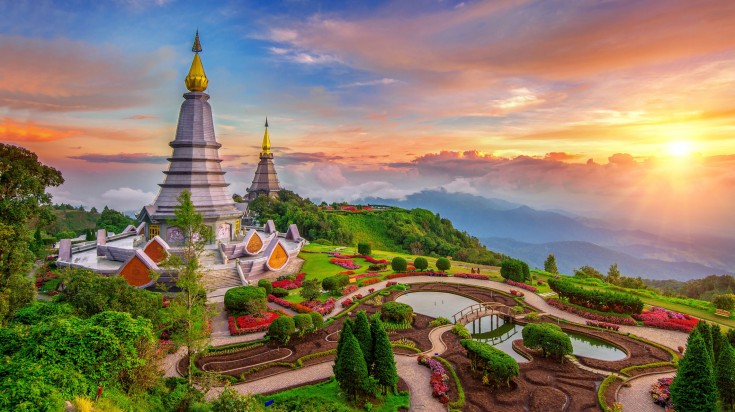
x: 529, y: 234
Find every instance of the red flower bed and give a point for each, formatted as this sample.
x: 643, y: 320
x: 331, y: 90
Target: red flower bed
x: 589, y: 315
x: 357, y: 296
x: 296, y: 307
x: 345, y: 263
x: 389, y: 284
x: 250, y: 324
x: 516, y: 292
x: 521, y: 285
x: 346, y: 303
x: 404, y: 275
x: 471, y: 276
x: 374, y: 261
x: 371, y: 290
x: 289, y: 284
x: 661, y: 318
x: 366, y: 275
x: 372, y: 281
x: 603, y: 325
x: 349, y: 289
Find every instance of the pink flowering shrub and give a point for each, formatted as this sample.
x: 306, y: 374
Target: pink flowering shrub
x: 471, y: 276
x: 290, y: 284
x: 439, y: 379
x: 250, y: 324
x: 349, y: 289
x: 603, y: 325
x: 345, y: 263
x: 661, y: 318
x: 660, y: 392
x: 346, y: 303
x: 389, y: 284
x: 521, y: 285
x: 516, y: 292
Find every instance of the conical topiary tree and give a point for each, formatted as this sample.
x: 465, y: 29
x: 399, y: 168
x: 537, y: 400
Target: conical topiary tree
x: 693, y: 388
x: 343, y: 335
x: 384, y: 369
x: 726, y: 376
x: 364, y: 337
x: 351, y: 370
x: 717, y: 341
x: 706, y: 333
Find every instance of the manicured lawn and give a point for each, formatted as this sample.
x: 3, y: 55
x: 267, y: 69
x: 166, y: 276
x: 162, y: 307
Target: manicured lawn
x: 328, y: 392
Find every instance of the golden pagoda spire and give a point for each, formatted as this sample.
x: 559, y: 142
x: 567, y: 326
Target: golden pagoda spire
x: 196, y: 80
x: 266, y: 140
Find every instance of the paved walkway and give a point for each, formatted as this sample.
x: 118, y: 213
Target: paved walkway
x: 637, y: 397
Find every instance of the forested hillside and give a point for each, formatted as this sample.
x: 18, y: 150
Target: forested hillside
x: 416, y: 231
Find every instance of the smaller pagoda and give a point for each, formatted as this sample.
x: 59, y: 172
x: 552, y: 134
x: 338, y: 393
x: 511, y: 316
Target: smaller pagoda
x: 265, y: 181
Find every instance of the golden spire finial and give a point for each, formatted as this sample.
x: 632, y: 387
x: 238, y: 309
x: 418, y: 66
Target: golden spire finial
x: 196, y: 80
x: 266, y: 140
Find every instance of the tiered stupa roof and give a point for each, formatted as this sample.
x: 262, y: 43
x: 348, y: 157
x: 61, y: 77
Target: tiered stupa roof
x: 195, y: 162
x: 265, y: 181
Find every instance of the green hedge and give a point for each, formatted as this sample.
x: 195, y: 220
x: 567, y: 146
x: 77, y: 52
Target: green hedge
x: 250, y: 300
x: 547, y: 337
x: 493, y: 363
x: 396, y: 312
x: 601, y: 391
x: 626, y: 371
x: 601, y: 300
x: 515, y: 270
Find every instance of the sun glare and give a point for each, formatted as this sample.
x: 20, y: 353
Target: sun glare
x: 680, y: 148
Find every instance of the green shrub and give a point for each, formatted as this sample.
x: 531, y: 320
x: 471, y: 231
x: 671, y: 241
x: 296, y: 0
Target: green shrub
x: 440, y: 321
x: 281, y: 329
x: 492, y: 363
x: 396, y: 312
x: 279, y: 292
x: 515, y: 270
x: 303, y: 322
x: 398, y: 264
x: 443, y: 264
x: 533, y: 316
x: 420, y: 263
x: 329, y: 284
x: 601, y: 300
x: 724, y: 302
x: 266, y: 284
x: 246, y: 299
x: 316, y: 319
x: 364, y: 249
x: 461, y: 331
x: 547, y: 337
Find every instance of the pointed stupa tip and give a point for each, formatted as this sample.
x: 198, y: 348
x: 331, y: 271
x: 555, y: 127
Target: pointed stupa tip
x: 197, y: 47
x: 266, y: 121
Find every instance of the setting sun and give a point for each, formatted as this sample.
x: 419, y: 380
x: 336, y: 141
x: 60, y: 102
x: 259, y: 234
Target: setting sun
x: 680, y: 148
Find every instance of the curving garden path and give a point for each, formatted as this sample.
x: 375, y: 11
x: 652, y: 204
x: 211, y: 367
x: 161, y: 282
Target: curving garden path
x: 637, y: 397
x: 416, y: 376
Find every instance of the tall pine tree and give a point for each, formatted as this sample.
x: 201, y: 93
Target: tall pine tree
x: 343, y: 335
x: 384, y: 369
x: 706, y: 333
x: 726, y: 376
x: 364, y: 337
x: 350, y: 369
x: 717, y: 341
x: 694, y: 388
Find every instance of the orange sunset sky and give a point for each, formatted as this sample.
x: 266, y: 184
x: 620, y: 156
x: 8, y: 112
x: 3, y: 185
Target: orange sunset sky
x: 622, y: 110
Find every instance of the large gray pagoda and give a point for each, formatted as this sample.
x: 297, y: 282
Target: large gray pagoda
x: 194, y: 166
x: 265, y: 181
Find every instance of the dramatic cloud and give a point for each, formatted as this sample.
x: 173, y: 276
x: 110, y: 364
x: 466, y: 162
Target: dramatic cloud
x: 121, y: 158
x: 13, y: 131
x: 64, y: 75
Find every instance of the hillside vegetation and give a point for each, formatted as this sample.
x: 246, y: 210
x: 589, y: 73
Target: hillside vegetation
x: 79, y: 221
x: 416, y: 231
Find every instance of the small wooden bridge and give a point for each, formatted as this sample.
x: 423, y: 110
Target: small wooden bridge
x: 480, y: 310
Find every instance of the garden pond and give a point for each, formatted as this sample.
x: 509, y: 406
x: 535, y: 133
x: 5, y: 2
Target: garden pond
x: 495, y: 331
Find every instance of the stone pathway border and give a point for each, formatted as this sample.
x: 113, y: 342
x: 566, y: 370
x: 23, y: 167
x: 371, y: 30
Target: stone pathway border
x: 637, y: 397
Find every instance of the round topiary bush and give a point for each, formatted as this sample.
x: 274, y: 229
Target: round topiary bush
x: 443, y: 264
x: 250, y: 300
x: 279, y: 292
x: 396, y: 312
x: 364, y: 249
x: 421, y: 263
x: 303, y: 322
x: 281, y: 329
x: 329, y: 284
x: 398, y: 264
x: 316, y: 319
x: 266, y: 284
x: 547, y: 337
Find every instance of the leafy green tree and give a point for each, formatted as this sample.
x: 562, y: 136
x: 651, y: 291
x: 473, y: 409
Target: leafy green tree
x: 443, y: 264
x: 398, y: 264
x: 23, y: 200
x: 550, y: 264
x: 281, y: 329
x: 329, y: 284
x: 188, y: 313
x: 343, y: 335
x: 231, y: 401
x: 364, y: 248
x: 694, y: 388
x: 613, y: 275
x: 364, y: 337
x: 725, y: 376
x: 588, y: 272
x: 515, y: 270
x: 113, y: 221
x: 420, y: 263
x: 303, y: 322
x: 549, y: 338
x: 353, y: 377
x: 317, y: 320
x: 310, y: 289
x: 384, y: 368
